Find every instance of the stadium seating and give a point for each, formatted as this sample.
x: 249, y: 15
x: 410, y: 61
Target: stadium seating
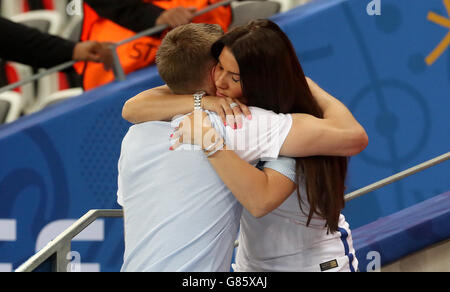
x: 46, y: 21
x: 55, y: 97
x: 72, y: 30
x: 49, y: 88
x: 53, y: 88
x: 245, y: 11
x: 11, y: 106
x: 11, y: 7
x: 16, y: 72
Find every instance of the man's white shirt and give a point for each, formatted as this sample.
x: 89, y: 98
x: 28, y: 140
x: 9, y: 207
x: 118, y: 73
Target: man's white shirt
x: 179, y: 215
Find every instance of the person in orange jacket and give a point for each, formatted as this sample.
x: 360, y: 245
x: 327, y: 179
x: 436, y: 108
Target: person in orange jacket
x: 115, y: 20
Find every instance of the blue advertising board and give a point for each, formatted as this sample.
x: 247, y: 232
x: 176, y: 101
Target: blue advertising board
x: 392, y: 70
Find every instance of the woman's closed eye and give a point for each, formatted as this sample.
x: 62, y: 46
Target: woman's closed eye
x: 235, y: 79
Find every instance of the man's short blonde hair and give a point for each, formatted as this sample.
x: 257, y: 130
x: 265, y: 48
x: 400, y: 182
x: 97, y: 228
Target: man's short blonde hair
x: 184, y: 57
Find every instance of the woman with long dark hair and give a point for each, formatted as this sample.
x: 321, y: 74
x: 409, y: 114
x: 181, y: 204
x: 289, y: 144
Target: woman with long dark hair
x: 299, y: 200
x: 282, y: 87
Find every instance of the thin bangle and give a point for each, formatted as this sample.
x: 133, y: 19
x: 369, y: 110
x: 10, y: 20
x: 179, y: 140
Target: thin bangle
x: 210, y: 147
x: 217, y: 149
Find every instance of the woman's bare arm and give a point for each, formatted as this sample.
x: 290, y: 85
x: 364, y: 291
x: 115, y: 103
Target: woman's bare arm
x: 260, y: 192
x: 337, y: 134
x: 161, y: 104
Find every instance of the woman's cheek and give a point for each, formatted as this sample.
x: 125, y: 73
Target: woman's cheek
x: 237, y: 91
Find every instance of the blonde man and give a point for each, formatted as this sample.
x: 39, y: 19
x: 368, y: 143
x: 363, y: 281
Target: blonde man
x: 179, y: 215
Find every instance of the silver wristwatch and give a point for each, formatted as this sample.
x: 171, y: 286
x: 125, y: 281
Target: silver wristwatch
x: 198, y: 96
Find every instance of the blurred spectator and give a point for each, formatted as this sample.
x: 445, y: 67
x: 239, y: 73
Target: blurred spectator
x: 116, y: 20
x: 31, y: 47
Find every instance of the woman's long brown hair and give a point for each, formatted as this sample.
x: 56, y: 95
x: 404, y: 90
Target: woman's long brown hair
x: 272, y: 78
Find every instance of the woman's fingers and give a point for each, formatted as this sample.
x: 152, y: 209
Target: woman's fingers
x: 229, y: 110
x: 190, y: 130
x: 177, y: 136
x: 219, y: 109
x: 238, y: 109
x: 178, y: 142
x: 221, y: 113
x: 246, y: 112
x: 195, y: 125
x: 229, y: 114
x: 237, y: 116
x: 195, y: 129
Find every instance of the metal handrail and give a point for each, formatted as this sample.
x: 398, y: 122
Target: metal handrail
x: 398, y: 176
x: 118, y: 70
x: 37, y: 76
x: 61, y: 244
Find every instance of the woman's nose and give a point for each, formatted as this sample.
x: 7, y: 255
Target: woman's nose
x: 220, y: 81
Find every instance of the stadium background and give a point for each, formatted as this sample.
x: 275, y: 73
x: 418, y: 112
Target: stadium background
x: 57, y: 164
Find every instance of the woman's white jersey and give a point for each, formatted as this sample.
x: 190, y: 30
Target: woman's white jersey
x: 281, y: 241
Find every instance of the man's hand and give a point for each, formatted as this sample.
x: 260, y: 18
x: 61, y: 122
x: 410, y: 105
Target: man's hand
x: 176, y: 16
x: 94, y: 52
